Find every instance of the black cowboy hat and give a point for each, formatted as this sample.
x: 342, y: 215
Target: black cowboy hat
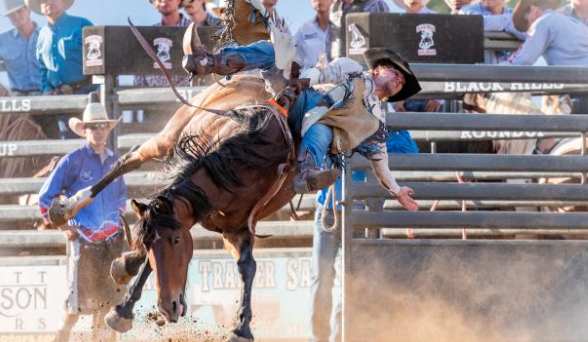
x: 376, y: 56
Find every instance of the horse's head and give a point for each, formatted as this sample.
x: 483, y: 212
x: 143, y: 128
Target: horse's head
x: 164, y: 232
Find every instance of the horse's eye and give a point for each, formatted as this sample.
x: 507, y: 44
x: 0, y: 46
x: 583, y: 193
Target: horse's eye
x: 176, y: 240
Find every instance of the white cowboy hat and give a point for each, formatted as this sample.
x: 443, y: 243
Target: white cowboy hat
x: 216, y: 9
x: 35, y: 5
x: 94, y: 113
x: 400, y: 4
x: 11, y: 6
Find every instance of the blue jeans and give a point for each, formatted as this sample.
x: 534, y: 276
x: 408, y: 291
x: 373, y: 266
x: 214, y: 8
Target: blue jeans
x: 326, y: 245
x: 325, y: 248
x: 260, y: 55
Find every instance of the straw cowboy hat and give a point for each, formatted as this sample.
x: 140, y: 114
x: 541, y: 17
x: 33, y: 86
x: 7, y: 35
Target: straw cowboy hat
x: 400, y: 4
x: 11, y: 6
x: 35, y: 5
x: 216, y: 9
x: 376, y: 56
x: 518, y: 15
x: 94, y: 113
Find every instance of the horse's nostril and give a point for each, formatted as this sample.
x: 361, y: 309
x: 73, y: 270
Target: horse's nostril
x: 174, y: 306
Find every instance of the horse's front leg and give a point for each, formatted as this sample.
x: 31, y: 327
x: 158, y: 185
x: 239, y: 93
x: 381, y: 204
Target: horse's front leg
x: 120, y: 317
x: 241, y: 246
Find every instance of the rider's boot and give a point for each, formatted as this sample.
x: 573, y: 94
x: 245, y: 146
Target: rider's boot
x: 199, y: 62
x: 310, y: 177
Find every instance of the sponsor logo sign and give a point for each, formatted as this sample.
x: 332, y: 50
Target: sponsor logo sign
x: 163, y: 47
x: 94, y: 55
x: 426, y: 44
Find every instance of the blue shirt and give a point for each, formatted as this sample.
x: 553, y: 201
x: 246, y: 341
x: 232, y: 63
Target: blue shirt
x: 494, y: 22
x: 59, y: 52
x: 560, y: 40
x: 21, y: 62
x: 78, y: 170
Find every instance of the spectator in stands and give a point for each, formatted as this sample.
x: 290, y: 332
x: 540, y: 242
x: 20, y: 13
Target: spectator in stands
x: 577, y: 9
x: 338, y: 12
x: 170, y: 16
x: 456, y: 5
x: 497, y: 17
x: 416, y: 7
x: 553, y: 36
x: 59, y: 51
x: 196, y: 9
x: 558, y: 39
x: 18, y: 50
x: 313, y: 37
x: 94, y: 234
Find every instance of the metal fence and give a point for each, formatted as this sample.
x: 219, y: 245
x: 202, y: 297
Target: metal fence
x: 471, y: 280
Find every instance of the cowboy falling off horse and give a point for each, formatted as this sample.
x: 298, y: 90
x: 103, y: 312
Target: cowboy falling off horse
x: 238, y: 159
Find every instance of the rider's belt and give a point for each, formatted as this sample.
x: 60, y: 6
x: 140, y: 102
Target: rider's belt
x: 69, y: 89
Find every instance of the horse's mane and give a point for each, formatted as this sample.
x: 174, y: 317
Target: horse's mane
x: 224, y: 159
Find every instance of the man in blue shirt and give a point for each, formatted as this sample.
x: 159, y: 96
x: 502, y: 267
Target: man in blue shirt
x: 94, y: 234
x: 18, y: 48
x: 577, y: 9
x: 59, y: 51
x: 561, y: 40
x: 497, y: 17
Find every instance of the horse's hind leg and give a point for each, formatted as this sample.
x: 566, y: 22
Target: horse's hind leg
x: 120, y: 317
x: 241, y: 245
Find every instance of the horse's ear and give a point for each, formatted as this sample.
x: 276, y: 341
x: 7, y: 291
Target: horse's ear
x: 139, y: 208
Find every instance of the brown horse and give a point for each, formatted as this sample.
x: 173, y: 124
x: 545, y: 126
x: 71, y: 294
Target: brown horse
x: 225, y: 168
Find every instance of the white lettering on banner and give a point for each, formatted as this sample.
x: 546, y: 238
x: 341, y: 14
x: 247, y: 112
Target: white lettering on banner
x: 225, y: 275
x: 298, y: 274
x: 474, y: 87
x: 29, y: 296
x: 499, y: 134
x: 7, y: 149
x: 15, y: 105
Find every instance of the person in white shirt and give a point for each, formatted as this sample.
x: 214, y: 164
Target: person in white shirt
x: 313, y: 38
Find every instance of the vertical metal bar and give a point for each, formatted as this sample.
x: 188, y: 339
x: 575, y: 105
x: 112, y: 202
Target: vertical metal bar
x: 347, y: 237
x: 583, y: 137
x: 109, y: 99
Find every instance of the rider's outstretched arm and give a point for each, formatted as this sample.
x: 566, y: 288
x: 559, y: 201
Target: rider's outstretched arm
x: 379, y: 163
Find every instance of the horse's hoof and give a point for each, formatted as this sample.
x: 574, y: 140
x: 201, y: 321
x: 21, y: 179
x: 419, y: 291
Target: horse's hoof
x: 118, y: 271
x: 118, y: 323
x: 57, y: 212
x: 236, y: 338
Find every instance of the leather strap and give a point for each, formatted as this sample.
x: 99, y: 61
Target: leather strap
x: 283, y: 172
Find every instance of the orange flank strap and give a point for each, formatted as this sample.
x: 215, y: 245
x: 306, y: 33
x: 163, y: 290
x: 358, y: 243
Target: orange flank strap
x: 280, y: 108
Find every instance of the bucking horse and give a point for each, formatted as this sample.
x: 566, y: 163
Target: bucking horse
x: 233, y: 164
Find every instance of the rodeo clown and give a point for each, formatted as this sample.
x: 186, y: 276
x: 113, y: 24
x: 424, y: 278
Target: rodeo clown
x: 339, y: 111
x: 94, y: 234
